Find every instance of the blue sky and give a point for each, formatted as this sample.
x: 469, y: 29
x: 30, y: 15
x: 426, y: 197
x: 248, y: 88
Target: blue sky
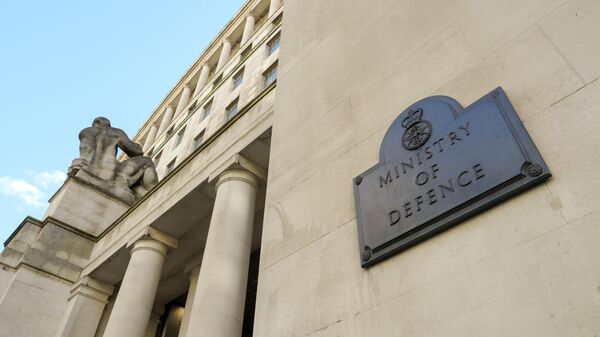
x: 62, y: 63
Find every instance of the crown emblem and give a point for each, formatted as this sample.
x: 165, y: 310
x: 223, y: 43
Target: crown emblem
x: 414, y: 117
x: 417, y: 131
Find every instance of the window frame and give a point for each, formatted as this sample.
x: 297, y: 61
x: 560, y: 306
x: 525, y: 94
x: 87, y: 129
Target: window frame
x: 179, y: 137
x: 171, y: 166
x: 157, y: 158
x: 199, y: 139
x: 274, y: 44
x: 230, y: 106
x: 265, y: 74
x: 237, y: 79
x: 206, y: 112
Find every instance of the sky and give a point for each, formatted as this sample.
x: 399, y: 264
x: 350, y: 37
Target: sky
x: 63, y: 63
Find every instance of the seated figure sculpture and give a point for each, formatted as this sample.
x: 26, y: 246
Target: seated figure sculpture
x: 129, y: 179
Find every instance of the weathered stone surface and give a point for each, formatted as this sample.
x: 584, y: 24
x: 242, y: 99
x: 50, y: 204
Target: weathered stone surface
x: 85, y: 207
x: 33, y: 304
x: 129, y: 179
x: 574, y: 30
x: 525, y: 267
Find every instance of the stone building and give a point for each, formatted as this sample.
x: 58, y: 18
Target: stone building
x: 251, y: 228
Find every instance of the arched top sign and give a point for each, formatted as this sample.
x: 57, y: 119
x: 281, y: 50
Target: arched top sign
x: 438, y: 165
x: 438, y: 110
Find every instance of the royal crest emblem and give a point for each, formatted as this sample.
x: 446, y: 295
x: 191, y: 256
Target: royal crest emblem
x: 417, y: 131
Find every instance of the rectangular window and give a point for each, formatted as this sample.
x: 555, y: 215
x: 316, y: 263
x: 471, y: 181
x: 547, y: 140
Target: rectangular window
x: 218, y: 79
x: 179, y: 137
x: 246, y: 52
x: 171, y: 166
x: 278, y: 19
x: 270, y: 75
x: 198, y: 140
x: 232, y: 109
x: 237, y: 80
x: 206, y: 110
x: 273, y: 45
x: 193, y: 107
x: 157, y: 158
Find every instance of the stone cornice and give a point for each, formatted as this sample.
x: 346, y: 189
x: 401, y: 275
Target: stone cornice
x: 176, y: 128
x: 191, y: 156
x: 28, y: 219
x: 97, y: 189
x: 190, y: 72
x: 55, y: 222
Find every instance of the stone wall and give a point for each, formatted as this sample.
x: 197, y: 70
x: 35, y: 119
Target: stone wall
x: 33, y: 304
x: 528, y: 267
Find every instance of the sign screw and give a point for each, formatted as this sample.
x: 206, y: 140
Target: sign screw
x: 358, y: 180
x: 534, y: 170
x: 366, y: 254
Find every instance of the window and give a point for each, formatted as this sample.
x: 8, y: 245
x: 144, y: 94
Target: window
x: 232, y: 109
x: 193, y: 107
x: 179, y: 137
x: 171, y: 166
x: 237, y: 79
x: 206, y: 110
x: 246, y: 52
x: 199, y: 139
x: 218, y: 79
x: 273, y: 45
x: 270, y: 75
x: 157, y: 158
x: 278, y: 19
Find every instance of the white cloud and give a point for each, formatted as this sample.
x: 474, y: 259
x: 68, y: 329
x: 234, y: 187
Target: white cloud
x: 32, y: 191
x: 26, y: 192
x: 49, y: 179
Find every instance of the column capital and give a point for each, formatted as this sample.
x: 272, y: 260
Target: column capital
x: 250, y: 15
x: 148, y: 235
x: 239, y: 175
x: 150, y: 244
x: 238, y: 162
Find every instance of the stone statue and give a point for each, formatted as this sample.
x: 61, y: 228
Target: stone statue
x: 129, y: 179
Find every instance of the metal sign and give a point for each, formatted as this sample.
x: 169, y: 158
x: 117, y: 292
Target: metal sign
x: 438, y: 165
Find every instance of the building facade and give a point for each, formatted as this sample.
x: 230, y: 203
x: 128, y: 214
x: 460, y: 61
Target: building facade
x: 252, y: 227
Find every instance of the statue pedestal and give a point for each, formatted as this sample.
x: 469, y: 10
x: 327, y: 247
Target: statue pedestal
x: 120, y: 191
x: 84, y: 206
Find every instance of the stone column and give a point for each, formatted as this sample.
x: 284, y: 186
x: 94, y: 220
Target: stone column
x: 218, y: 309
x: 189, y: 302
x: 274, y: 6
x: 85, y: 308
x: 248, y: 29
x: 224, y: 56
x: 135, y: 300
x: 202, y: 79
x: 166, y: 120
x: 184, y: 99
x: 151, y: 137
